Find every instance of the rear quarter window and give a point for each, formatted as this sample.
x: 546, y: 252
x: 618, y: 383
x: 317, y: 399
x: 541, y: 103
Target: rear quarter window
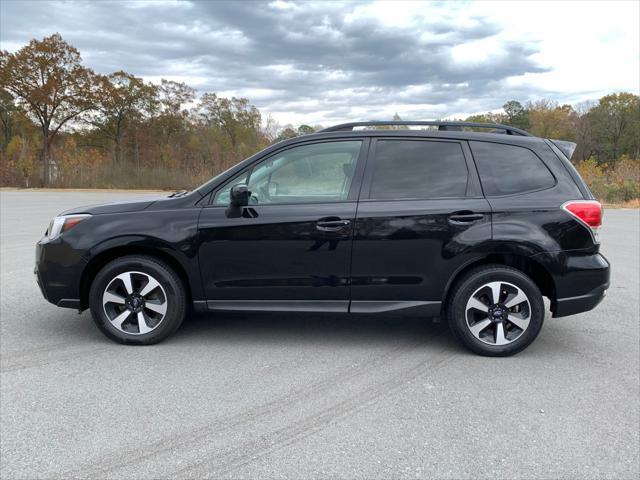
x: 509, y: 169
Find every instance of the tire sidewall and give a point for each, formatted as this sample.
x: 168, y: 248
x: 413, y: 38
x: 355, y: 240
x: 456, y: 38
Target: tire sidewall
x: 171, y: 284
x: 464, y: 290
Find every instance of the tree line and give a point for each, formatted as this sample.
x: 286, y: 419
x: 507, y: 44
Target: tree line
x: 66, y: 125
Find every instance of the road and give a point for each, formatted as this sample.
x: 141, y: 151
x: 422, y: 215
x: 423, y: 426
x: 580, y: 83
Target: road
x: 300, y: 396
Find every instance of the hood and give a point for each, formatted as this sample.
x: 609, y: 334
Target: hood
x: 133, y: 205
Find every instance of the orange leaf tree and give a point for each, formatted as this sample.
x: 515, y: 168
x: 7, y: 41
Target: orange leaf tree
x: 48, y: 79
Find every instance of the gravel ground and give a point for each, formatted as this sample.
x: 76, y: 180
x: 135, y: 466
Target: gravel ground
x: 301, y: 396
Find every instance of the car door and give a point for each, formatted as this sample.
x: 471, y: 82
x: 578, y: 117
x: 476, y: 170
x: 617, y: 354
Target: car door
x: 421, y: 216
x: 291, y: 248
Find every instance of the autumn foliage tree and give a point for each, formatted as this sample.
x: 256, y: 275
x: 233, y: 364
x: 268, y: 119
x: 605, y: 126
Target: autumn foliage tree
x: 120, y: 100
x: 50, y: 82
x: 118, y: 130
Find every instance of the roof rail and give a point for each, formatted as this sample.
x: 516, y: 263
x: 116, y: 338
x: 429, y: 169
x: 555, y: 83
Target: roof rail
x: 442, y: 125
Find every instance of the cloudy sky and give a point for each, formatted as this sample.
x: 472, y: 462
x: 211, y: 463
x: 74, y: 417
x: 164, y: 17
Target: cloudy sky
x: 326, y: 62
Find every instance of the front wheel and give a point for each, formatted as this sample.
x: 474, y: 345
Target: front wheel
x: 137, y: 300
x: 495, y: 311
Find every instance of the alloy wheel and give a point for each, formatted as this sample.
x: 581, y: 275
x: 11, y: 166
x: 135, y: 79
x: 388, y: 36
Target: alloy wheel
x: 134, y: 302
x: 498, y: 313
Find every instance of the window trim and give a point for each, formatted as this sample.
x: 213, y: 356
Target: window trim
x: 516, y: 194
x: 472, y: 189
x: 354, y: 188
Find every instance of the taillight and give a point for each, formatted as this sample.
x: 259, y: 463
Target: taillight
x: 588, y: 212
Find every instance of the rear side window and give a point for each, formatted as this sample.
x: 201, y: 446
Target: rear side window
x: 418, y: 169
x: 509, y: 170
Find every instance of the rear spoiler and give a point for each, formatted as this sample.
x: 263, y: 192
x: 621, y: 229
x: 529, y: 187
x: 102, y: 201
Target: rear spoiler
x: 565, y: 147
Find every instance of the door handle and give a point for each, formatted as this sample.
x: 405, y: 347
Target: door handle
x: 332, y: 224
x: 462, y: 218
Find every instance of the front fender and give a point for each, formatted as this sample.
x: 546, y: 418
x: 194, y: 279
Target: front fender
x: 172, y: 234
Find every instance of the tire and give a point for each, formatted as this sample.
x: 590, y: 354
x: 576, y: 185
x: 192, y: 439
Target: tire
x: 490, y: 328
x: 139, y: 285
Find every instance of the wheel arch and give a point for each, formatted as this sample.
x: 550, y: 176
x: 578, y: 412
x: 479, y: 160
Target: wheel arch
x: 533, y: 269
x: 99, y: 260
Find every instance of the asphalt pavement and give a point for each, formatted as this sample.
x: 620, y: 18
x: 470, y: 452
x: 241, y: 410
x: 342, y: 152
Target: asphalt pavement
x: 310, y: 396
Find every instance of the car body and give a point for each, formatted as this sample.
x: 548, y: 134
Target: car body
x: 393, y: 236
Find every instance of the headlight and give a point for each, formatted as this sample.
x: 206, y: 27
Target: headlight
x: 63, y: 223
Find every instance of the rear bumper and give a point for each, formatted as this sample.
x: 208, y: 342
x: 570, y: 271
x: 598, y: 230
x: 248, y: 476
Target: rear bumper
x: 582, y: 303
x: 581, y: 280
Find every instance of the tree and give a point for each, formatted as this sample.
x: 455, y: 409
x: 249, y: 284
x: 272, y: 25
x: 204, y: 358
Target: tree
x: 550, y: 120
x: 121, y: 99
x: 488, y: 117
x: 174, y: 96
x: 517, y: 115
x: 617, y: 125
x: 49, y: 80
x: 22, y: 157
x: 172, y: 99
x: 235, y: 116
x: 286, y: 133
x: 7, y: 112
x: 583, y: 126
x: 305, y: 130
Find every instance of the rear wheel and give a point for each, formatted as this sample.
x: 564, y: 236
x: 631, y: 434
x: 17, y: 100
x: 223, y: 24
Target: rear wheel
x: 137, y: 300
x: 496, y: 311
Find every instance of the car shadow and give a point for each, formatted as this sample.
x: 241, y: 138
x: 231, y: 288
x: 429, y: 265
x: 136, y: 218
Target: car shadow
x: 325, y: 328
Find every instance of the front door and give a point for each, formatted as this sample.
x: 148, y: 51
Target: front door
x: 421, y: 217
x: 291, y: 248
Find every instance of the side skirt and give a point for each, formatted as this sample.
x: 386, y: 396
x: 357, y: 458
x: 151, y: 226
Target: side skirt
x: 418, y: 308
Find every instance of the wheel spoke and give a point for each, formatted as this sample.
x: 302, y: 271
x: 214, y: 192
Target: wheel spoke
x: 500, y: 338
x: 143, y: 327
x: 126, y: 280
x: 477, y: 304
x: 119, y: 320
x: 516, y: 300
x: 495, y: 291
x: 109, y: 297
x: 160, y: 308
x: 509, y: 309
x: 479, y: 327
x: 521, y: 322
x: 123, y: 310
x: 151, y: 285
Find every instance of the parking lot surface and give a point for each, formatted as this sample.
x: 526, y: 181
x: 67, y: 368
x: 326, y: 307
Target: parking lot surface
x: 301, y: 396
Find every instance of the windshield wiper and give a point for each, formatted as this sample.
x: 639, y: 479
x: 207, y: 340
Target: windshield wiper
x: 179, y: 193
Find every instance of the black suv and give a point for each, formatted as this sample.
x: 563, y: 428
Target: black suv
x: 438, y: 221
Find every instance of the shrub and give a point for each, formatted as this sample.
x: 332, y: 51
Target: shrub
x: 615, y: 183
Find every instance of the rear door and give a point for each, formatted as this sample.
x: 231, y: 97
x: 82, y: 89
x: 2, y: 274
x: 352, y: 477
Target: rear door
x: 421, y: 216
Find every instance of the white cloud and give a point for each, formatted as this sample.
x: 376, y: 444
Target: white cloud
x: 328, y: 62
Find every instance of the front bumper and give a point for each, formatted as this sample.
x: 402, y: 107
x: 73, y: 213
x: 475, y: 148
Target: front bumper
x: 57, y: 270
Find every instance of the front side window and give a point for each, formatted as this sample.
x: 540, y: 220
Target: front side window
x: 223, y: 196
x: 509, y: 169
x: 418, y: 169
x: 314, y: 173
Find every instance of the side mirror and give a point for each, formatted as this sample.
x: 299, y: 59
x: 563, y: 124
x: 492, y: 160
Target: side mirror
x: 239, y: 197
